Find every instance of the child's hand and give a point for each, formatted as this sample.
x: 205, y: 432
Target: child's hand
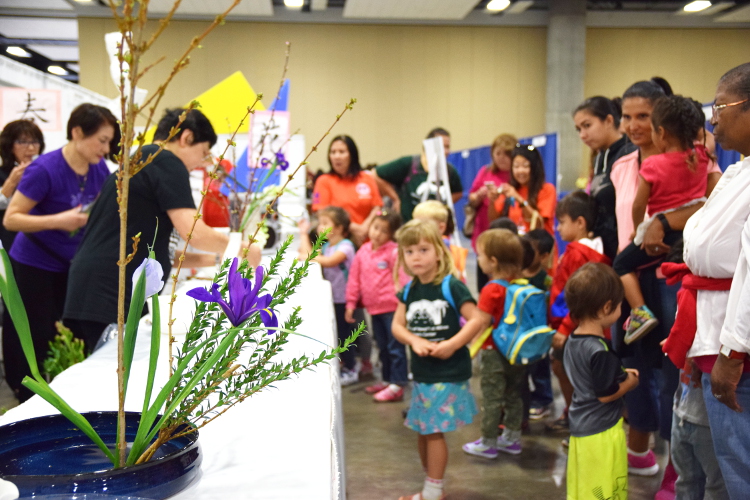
x: 558, y: 340
x: 442, y: 350
x: 349, y: 315
x: 633, y: 377
x: 304, y: 226
x: 422, y: 347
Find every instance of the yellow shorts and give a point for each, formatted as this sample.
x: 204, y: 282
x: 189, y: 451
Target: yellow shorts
x: 598, y: 466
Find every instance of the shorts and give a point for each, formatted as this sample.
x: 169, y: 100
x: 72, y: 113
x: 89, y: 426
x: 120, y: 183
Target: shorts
x: 598, y: 465
x: 440, y: 407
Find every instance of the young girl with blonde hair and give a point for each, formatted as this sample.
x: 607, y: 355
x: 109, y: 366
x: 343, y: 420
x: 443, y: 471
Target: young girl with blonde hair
x: 427, y: 320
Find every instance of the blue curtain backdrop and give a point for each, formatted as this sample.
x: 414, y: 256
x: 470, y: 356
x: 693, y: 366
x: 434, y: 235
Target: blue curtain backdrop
x: 468, y: 163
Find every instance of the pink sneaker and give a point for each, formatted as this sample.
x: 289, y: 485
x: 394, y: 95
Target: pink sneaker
x: 642, y: 466
x: 375, y: 388
x: 666, y: 492
x: 388, y: 395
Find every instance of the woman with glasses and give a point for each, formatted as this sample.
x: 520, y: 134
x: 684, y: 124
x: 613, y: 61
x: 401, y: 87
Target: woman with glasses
x: 527, y: 199
x: 20, y: 142
x: 49, y: 209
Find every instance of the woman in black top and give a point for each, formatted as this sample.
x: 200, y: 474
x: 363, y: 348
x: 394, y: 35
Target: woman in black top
x: 597, y: 121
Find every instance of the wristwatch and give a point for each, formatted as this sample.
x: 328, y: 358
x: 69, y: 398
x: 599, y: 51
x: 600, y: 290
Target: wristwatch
x: 664, y: 222
x: 729, y: 353
x: 524, y: 203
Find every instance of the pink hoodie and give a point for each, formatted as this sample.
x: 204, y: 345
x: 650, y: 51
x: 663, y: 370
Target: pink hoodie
x: 371, y: 279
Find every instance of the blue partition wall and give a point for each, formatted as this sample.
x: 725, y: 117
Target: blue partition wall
x: 469, y: 161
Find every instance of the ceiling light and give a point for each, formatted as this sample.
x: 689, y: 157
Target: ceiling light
x: 57, y: 70
x: 17, y: 51
x: 697, y: 6
x: 498, y: 5
x: 294, y: 4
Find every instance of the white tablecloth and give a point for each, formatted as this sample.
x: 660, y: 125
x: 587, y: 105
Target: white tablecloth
x: 284, y: 443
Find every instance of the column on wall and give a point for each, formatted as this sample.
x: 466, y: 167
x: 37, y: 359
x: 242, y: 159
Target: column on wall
x: 566, y: 51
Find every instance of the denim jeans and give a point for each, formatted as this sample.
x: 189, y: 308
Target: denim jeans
x: 650, y: 403
x: 730, y: 436
x: 542, y: 378
x: 392, y: 352
x: 695, y: 462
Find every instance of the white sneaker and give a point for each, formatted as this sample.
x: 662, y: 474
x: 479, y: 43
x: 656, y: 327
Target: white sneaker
x: 348, y: 377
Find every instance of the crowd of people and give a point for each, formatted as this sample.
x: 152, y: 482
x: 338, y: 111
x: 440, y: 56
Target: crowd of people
x: 657, y: 226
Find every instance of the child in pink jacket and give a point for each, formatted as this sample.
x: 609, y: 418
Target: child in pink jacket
x: 372, y: 282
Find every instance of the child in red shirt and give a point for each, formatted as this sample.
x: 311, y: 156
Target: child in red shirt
x: 500, y: 256
x: 576, y: 215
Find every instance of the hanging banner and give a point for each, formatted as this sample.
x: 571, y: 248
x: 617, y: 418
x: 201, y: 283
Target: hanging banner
x: 42, y: 106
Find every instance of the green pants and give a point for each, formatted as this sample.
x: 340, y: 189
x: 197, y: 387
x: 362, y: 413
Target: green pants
x: 598, y: 466
x: 501, y: 390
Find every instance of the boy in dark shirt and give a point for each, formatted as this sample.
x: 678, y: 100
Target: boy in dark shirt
x: 597, y: 459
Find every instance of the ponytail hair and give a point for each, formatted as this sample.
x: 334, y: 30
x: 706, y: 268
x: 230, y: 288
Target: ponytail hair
x: 647, y: 89
x: 682, y: 118
x: 601, y: 107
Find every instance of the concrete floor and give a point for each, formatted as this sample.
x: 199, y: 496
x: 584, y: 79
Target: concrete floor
x: 382, y: 460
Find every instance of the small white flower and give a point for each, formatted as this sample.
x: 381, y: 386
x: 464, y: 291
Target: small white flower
x: 154, y: 276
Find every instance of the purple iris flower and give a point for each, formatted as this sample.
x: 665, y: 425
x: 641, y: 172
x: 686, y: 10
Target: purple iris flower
x: 243, y: 298
x: 154, y: 276
x: 281, y: 161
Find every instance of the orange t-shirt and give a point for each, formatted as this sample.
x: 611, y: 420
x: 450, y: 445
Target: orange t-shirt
x: 357, y: 196
x: 546, y: 201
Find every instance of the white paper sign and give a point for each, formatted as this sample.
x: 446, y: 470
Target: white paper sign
x: 269, y: 134
x: 42, y: 106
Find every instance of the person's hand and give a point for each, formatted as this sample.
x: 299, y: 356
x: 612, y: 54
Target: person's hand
x: 252, y: 253
x: 509, y: 191
x: 14, y: 178
x: 72, y: 219
x: 443, y: 349
x: 421, y: 347
x: 304, y: 226
x: 481, y: 193
x: 349, y: 315
x: 396, y: 205
x: 724, y: 379
x: 634, y: 376
x: 359, y: 233
x: 558, y: 340
x: 653, y: 240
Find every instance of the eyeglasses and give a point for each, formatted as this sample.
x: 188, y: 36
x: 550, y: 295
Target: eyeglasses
x: 525, y: 146
x: 715, y: 108
x: 23, y: 143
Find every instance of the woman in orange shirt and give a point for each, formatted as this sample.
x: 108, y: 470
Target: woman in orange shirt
x: 348, y: 187
x: 527, y: 200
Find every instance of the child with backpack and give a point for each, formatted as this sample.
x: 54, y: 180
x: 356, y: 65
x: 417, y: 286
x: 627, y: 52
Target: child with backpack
x: 371, y: 280
x: 598, y: 457
x: 427, y: 320
x: 336, y: 258
x: 668, y: 181
x: 576, y: 216
x: 500, y: 256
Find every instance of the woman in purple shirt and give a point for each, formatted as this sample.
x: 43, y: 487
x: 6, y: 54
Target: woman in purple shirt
x: 49, y: 210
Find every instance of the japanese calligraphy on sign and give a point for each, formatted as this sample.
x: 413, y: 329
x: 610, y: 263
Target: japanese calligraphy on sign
x: 42, y: 106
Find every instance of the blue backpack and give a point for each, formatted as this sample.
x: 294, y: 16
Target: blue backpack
x: 523, y: 335
x: 445, y: 287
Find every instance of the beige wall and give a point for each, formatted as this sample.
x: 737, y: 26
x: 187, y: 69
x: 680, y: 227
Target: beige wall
x: 476, y: 82
x: 692, y: 60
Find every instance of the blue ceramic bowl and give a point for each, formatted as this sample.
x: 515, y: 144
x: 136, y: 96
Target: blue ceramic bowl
x: 50, y: 456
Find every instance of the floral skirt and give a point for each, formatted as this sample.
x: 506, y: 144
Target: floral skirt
x: 440, y: 407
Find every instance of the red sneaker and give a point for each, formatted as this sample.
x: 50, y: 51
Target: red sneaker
x: 388, y: 395
x: 666, y: 492
x: 376, y: 388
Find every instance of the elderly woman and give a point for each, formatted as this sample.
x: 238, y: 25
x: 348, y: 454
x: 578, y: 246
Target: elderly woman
x: 50, y: 208
x: 20, y: 142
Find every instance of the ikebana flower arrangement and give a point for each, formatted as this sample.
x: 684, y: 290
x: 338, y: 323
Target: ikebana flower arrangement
x: 229, y: 352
